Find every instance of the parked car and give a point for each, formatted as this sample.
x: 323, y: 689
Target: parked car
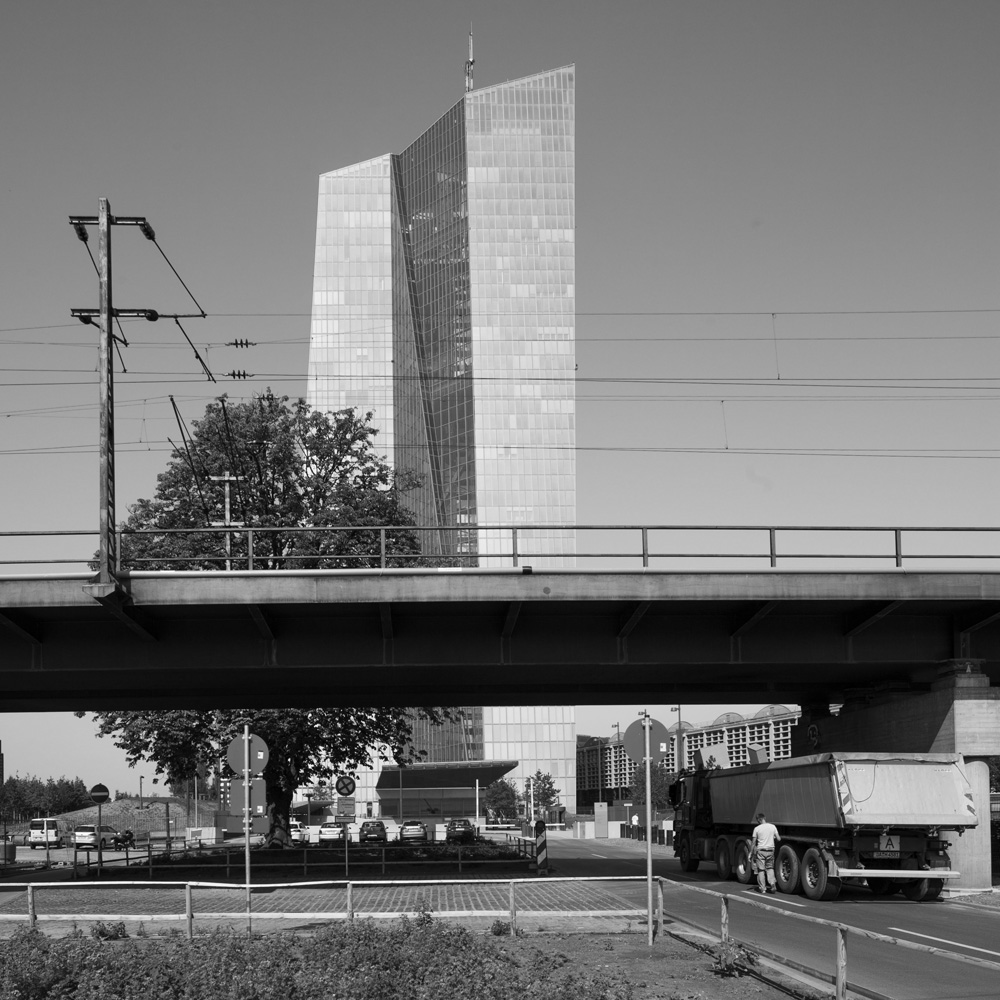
x: 50, y: 830
x: 459, y: 831
x: 372, y: 830
x: 92, y: 836
x: 298, y: 832
x: 334, y: 832
x: 413, y: 831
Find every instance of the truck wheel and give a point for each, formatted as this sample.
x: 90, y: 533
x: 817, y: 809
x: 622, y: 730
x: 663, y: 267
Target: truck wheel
x: 744, y: 873
x: 882, y: 886
x: 723, y: 859
x: 815, y: 878
x: 923, y: 890
x: 786, y: 869
x: 689, y: 863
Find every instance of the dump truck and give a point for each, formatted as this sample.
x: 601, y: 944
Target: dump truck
x: 875, y: 817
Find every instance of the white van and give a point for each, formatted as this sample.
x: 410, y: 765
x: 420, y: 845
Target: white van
x: 50, y: 830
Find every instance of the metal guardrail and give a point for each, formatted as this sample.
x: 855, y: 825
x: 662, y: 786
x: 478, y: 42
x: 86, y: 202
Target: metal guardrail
x: 514, y: 908
x: 839, y: 981
x: 640, y: 547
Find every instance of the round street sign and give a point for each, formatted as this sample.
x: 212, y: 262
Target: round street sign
x: 635, y: 741
x: 99, y: 793
x: 258, y: 754
x: 345, y: 785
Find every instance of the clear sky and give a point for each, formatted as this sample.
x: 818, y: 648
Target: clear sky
x: 788, y: 242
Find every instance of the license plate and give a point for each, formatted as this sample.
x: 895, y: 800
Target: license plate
x: 886, y: 854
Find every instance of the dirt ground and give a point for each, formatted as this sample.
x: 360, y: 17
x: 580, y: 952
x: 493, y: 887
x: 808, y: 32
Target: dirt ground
x: 669, y: 970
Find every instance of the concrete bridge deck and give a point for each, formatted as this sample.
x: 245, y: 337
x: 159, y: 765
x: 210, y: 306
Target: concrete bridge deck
x: 432, y: 636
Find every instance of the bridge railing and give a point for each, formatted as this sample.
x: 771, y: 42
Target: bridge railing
x: 683, y: 547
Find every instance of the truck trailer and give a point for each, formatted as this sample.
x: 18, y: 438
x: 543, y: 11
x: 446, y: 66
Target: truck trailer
x: 875, y: 817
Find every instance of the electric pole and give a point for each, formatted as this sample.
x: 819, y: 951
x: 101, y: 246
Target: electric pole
x: 106, y: 313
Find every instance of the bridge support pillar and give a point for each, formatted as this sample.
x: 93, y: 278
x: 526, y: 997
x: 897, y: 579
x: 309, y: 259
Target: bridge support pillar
x: 959, y: 714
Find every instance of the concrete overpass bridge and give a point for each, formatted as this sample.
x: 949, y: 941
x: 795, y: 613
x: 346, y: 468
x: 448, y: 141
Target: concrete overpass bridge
x: 431, y: 636
x: 911, y: 651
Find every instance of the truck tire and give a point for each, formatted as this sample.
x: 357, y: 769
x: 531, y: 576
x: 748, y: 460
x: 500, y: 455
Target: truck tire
x: 744, y: 873
x: 723, y: 859
x: 922, y: 890
x: 689, y: 863
x: 786, y: 869
x: 815, y: 878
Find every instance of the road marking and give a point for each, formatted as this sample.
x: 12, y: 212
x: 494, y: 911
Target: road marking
x: 957, y: 944
x: 782, y: 897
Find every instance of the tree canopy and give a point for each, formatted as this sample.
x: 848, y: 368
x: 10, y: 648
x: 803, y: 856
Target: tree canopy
x: 306, y: 746
x: 542, y: 792
x: 501, y: 800
x: 659, y: 780
x: 290, y: 472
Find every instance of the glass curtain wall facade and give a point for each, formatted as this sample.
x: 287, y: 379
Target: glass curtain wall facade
x: 444, y: 302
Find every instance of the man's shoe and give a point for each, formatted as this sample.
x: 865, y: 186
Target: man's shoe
x: 773, y: 892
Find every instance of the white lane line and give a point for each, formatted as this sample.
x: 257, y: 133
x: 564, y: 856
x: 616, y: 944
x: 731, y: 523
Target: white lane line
x: 777, y: 896
x: 957, y: 944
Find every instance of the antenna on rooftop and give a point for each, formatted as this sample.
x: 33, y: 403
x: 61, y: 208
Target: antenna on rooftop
x: 469, y: 63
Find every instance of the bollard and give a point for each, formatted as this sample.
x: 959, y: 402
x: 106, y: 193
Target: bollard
x: 189, y: 911
x: 32, y: 920
x: 541, y: 849
x: 513, y: 913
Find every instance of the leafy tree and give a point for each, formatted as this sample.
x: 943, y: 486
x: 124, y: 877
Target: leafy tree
x: 501, y: 800
x: 296, y: 471
x: 543, y: 792
x: 305, y: 746
x: 291, y: 469
x: 26, y: 797
x: 659, y: 781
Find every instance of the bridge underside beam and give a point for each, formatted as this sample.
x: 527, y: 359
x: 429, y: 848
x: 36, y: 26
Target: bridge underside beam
x: 437, y: 638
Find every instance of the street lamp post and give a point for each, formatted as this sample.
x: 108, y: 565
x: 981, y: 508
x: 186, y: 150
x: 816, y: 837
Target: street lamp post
x: 614, y: 762
x: 680, y: 739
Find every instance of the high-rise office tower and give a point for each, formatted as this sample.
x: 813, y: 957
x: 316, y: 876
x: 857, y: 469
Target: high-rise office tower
x: 444, y: 302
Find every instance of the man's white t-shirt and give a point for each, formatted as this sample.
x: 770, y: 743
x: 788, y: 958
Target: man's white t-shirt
x: 764, y: 836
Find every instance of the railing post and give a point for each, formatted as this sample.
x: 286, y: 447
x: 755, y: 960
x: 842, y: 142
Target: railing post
x: 774, y: 547
x: 149, y: 852
x: 841, y: 993
x: 898, y: 533
x: 513, y: 912
x: 381, y: 538
x: 513, y: 545
x: 645, y: 548
x: 459, y: 859
x: 249, y: 548
x: 659, y: 907
x: 32, y: 918
x: 189, y: 910
x: 350, y: 900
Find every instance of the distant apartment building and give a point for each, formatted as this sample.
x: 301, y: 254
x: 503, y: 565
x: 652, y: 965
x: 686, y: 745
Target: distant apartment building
x: 605, y: 772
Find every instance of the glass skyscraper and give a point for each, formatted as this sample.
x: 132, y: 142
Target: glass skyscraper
x: 444, y: 302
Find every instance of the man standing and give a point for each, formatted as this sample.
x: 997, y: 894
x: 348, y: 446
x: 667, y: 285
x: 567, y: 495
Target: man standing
x: 762, y: 845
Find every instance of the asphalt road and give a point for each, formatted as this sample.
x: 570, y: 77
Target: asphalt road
x: 877, y: 968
